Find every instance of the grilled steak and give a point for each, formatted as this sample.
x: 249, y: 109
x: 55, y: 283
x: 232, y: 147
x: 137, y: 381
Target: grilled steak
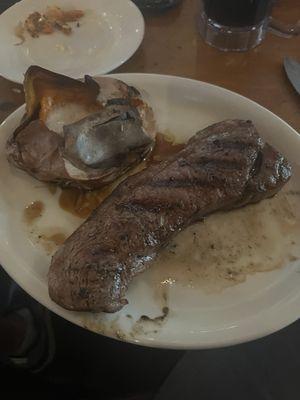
x: 225, y: 166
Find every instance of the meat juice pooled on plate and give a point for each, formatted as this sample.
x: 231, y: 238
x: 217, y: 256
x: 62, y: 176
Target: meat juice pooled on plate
x: 81, y: 202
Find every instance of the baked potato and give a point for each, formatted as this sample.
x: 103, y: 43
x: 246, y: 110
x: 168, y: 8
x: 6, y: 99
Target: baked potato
x: 83, y: 134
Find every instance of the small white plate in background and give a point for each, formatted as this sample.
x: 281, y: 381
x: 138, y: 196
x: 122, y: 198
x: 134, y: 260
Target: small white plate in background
x: 109, y: 34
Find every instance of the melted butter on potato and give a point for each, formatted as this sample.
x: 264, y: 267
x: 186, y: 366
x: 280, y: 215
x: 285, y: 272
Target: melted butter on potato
x: 63, y: 114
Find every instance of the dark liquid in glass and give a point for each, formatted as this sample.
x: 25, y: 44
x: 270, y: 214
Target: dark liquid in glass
x: 237, y: 13
x: 155, y: 4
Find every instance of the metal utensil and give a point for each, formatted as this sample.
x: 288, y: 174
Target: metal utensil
x: 292, y: 69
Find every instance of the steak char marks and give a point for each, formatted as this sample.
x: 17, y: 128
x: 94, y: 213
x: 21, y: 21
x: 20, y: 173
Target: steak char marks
x: 225, y: 166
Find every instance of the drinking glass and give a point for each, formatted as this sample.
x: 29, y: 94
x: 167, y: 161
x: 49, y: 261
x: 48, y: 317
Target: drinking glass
x: 234, y: 25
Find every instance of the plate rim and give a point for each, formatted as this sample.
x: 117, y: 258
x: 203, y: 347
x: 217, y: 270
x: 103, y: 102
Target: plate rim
x: 266, y: 330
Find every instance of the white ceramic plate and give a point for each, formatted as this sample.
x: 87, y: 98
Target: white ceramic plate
x: 263, y: 304
x: 109, y: 34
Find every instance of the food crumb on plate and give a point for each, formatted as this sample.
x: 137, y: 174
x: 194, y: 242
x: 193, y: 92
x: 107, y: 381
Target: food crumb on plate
x: 52, y: 20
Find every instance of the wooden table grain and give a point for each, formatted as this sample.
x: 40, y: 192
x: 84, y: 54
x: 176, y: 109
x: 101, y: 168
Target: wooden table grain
x: 172, y: 45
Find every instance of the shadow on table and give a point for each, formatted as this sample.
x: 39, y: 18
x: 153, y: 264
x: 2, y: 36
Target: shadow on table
x: 87, y: 365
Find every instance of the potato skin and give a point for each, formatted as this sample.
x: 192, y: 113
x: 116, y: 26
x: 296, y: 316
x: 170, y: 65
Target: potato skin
x: 43, y: 153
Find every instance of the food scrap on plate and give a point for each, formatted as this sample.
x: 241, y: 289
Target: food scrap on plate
x: 54, y: 19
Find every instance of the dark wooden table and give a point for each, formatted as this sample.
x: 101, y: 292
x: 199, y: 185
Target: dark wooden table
x: 173, y: 46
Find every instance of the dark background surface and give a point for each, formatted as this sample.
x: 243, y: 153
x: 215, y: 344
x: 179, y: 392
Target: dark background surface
x: 4, y: 4
x: 87, y: 366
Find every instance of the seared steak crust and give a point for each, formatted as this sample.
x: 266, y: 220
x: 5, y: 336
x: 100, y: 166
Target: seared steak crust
x: 225, y: 166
